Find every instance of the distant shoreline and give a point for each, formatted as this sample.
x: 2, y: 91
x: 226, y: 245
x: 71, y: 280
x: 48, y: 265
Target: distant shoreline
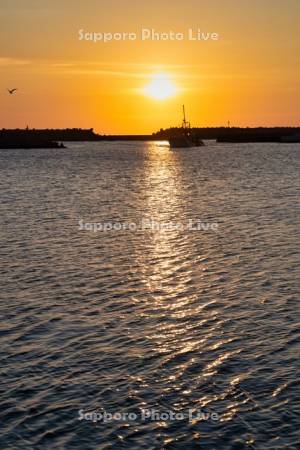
x: 221, y: 134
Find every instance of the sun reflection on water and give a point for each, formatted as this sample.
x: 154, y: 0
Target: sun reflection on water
x: 163, y: 204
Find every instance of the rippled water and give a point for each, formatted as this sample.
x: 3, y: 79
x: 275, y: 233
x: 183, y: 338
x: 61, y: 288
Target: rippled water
x: 173, y: 320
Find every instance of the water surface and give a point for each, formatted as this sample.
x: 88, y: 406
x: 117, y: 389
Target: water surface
x: 169, y: 319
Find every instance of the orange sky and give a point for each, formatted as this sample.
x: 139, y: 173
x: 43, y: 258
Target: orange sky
x: 250, y: 76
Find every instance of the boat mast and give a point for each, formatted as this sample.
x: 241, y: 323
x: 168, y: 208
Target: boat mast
x: 185, y: 124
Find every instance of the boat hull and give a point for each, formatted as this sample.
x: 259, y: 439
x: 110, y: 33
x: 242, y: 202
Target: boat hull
x: 184, y: 142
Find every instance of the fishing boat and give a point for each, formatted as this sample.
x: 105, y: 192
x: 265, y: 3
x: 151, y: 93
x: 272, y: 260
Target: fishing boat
x: 184, y: 136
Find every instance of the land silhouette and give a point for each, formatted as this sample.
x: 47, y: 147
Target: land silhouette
x: 47, y: 138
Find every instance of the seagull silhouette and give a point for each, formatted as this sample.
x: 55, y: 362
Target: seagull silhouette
x: 11, y: 91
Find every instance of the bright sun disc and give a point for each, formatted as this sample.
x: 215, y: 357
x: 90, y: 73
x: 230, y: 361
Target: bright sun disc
x: 160, y: 88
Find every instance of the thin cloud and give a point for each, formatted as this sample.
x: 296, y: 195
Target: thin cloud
x: 6, y: 62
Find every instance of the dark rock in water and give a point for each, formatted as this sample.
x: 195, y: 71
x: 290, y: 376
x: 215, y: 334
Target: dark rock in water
x: 28, y: 145
x: 27, y: 141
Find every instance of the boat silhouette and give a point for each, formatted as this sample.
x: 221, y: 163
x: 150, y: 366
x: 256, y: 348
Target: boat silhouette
x: 184, y: 137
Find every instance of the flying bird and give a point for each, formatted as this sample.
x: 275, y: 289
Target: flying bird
x: 11, y: 91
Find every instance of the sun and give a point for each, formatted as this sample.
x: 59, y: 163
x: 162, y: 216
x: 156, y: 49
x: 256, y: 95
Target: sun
x: 161, y: 87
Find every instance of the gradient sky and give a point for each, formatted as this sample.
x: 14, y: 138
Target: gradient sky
x: 251, y: 76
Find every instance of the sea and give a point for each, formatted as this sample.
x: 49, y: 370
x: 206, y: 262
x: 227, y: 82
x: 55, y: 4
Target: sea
x: 150, y: 297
